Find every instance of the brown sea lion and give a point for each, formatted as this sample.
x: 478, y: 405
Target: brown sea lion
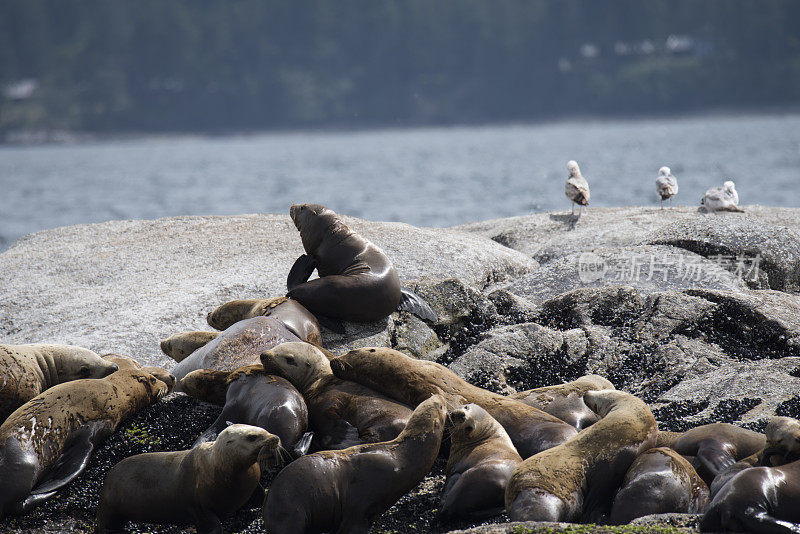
x: 126, y: 362
x: 180, y: 346
x: 711, y: 448
x: 411, y: 381
x: 565, y: 401
x: 239, y: 345
x: 660, y: 481
x: 341, y: 413
x: 482, y: 458
x: 27, y: 370
x: 197, y: 486
x: 47, y: 441
x: 345, y: 491
x: 760, y: 499
x: 357, y: 281
x: 577, y: 480
x: 252, y: 397
x: 290, y: 312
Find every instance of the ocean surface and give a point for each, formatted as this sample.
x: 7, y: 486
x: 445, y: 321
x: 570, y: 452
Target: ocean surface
x: 422, y: 176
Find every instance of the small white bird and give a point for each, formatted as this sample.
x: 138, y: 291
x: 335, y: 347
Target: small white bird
x: 723, y: 198
x: 666, y: 185
x: 577, y: 188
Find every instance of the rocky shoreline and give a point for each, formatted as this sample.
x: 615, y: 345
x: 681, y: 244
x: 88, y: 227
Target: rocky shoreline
x: 698, y: 314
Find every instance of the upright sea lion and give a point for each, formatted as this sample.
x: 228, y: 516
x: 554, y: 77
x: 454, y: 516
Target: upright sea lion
x: 253, y: 397
x: 565, y: 401
x: 341, y: 413
x: 357, y: 281
x: 239, y: 345
x: 760, y: 499
x: 290, y: 312
x: 577, y: 480
x: 411, y: 381
x: 712, y: 448
x: 27, y: 370
x: 482, y: 458
x: 197, y: 486
x: 47, y: 441
x: 660, y: 481
x: 126, y: 362
x: 180, y: 346
x: 345, y: 491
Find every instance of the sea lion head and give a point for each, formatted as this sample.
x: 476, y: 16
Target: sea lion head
x: 236, y: 310
x: 77, y: 362
x: 207, y: 385
x: 428, y: 418
x: 246, y: 443
x: 469, y: 422
x: 664, y: 171
x: 602, y: 401
x: 596, y: 382
x: 163, y: 375
x: 783, y: 434
x: 298, y: 362
x: 314, y: 221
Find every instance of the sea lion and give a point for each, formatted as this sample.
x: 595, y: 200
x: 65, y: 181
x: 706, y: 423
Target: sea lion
x: 565, y: 401
x: 180, y: 346
x: 239, y: 345
x: 47, y: 441
x: 341, y: 413
x: 27, y: 370
x: 126, y: 362
x: 253, y: 397
x: 357, y: 281
x: 760, y: 499
x: 197, y: 486
x: 577, y: 480
x: 290, y: 312
x: 345, y: 491
x: 660, y: 481
x: 482, y: 458
x: 411, y: 381
x: 711, y: 448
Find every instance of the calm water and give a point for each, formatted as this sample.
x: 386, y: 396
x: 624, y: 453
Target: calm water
x: 426, y: 176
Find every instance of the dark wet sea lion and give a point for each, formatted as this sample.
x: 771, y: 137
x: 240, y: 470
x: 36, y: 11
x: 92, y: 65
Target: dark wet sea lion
x: 341, y: 413
x: 345, y: 491
x: 411, y: 381
x: 180, y: 346
x: 711, y: 448
x: 27, y: 370
x: 482, y: 458
x: 239, y: 345
x: 577, y: 480
x: 660, y: 481
x: 253, y: 397
x: 760, y: 499
x: 47, y: 441
x: 357, y: 281
x: 565, y: 401
x: 290, y: 312
x: 197, y: 486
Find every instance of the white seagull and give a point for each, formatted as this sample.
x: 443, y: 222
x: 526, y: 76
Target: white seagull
x: 666, y: 185
x: 723, y: 198
x: 577, y: 188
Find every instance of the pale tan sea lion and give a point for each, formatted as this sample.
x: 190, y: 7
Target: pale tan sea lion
x: 290, y: 312
x: 345, y: 491
x: 180, y: 346
x: 197, y: 486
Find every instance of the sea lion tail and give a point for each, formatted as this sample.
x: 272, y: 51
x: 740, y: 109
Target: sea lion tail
x: 413, y: 303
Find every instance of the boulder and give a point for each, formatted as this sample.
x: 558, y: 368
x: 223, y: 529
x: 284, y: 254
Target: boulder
x: 121, y: 286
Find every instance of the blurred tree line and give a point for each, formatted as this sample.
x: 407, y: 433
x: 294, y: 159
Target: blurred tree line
x: 248, y: 64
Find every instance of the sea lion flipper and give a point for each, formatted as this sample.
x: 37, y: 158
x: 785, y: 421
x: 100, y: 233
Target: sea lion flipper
x: 341, y: 436
x: 300, y: 271
x: 72, y: 461
x: 413, y: 303
x: 302, y: 445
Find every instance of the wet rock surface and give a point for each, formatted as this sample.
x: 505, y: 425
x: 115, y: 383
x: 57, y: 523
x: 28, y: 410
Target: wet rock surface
x: 702, y: 348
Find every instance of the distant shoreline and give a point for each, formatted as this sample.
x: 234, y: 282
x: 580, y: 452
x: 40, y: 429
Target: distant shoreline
x: 68, y: 137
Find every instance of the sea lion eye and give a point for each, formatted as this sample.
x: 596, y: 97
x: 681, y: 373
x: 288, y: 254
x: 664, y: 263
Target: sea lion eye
x: 152, y: 380
x: 252, y: 437
x: 84, y: 372
x: 469, y: 428
x: 290, y: 360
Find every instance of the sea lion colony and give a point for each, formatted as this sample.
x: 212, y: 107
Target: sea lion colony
x: 373, y: 421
